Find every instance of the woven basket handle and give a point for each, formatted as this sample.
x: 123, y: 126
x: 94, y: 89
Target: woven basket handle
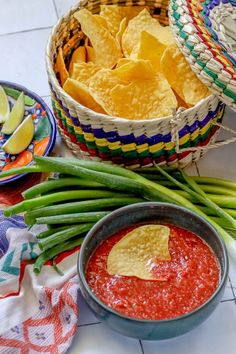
x: 175, y: 136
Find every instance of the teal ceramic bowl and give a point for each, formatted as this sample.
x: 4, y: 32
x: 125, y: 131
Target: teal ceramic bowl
x: 149, y: 213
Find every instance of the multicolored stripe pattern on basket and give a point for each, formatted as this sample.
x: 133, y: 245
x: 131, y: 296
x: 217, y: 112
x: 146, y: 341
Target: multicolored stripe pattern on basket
x: 135, y: 150
x: 132, y: 143
x: 199, y: 29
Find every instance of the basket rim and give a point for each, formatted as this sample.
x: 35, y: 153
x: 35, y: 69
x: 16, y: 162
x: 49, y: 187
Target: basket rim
x: 52, y: 77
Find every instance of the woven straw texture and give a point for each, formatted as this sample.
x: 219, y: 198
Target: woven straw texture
x: 176, y: 140
x: 208, y: 43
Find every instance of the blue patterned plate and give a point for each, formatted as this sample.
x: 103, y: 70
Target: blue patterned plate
x: 45, y: 130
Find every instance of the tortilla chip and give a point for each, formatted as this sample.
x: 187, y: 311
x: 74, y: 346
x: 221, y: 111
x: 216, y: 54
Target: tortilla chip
x: 133, y: 93
x: 144, y: 22
x: 113, y: 17
x: 124, y: 61
x: 60, y: 67
x: 149, y: 48
x: 135, y: 254
x: 107, y: 51
x: 79, y: 56
x: 130, y: 11
x: 84, y: 71
x: 119, y: 34
x: 135, y: 69
x: 114, y: 14
x: 101, y: 20
x: 90, y: 54
x: 181, y: 77
x: 80, y: 93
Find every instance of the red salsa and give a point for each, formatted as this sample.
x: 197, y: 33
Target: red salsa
x: 191, y: 277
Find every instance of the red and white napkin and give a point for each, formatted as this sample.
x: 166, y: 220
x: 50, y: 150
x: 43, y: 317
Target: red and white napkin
x: 38, y: 313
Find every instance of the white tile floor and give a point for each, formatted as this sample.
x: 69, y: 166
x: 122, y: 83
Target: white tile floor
x: 26, y: 15
x: 24, y: 29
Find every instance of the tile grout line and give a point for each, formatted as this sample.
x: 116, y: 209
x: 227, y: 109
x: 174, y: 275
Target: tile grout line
x: 228, y: 300
x: 232, y: 289
x: 45, y: 96
x: 141, y: 345
x: 89, y: 324
x: 25, y: 31
x: 55, y: 8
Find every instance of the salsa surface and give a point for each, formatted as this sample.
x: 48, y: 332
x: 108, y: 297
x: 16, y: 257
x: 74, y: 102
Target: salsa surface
x: 191, y: 277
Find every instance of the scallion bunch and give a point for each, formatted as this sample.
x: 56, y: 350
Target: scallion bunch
x: 85, y: 191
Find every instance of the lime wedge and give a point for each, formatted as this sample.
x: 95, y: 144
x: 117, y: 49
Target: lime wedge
x: 21, y: 138
x: 15, y: 117
x: 4, y: 105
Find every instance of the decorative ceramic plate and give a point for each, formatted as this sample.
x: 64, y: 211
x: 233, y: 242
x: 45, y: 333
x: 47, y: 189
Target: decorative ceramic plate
x: 44, y: 135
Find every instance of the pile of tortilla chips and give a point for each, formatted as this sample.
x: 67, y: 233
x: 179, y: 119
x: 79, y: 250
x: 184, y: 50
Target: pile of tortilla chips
x: 128, y: 66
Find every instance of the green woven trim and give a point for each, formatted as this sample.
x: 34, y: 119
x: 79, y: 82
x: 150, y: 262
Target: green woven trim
x: 205, y: 135
x: 230, y: 94
x: 103, y: 149
x: 185, y: 145
x: 146, y: 153
x: 158, y: 153
x: 70, y: 129
x: 190, y: 47
x: 130, y: 154
x: 115, y: 153
x: 211, y: 74
x: 196, y: 140
x: 201, y: 63
x: 53, y: 104
x: 80, y: 138
x: 90, y: 144
x: 170, y: 152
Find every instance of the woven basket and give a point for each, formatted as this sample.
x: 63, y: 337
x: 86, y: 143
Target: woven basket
x: 176, y: 140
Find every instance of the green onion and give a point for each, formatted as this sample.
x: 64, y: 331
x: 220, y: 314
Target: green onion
x: 207, y: 188
x: 116, y: 182
x: 50, y: 231
x: 52, y: 252
x: 77, y: 207
x: 230, y: 242
x: 24, y: 169
x: 224, y: 224
x: 209, y: 211
x: 203, y: 195
x: 72, y: 218
x: 124, y: 180
x: 215, y: 181
x: 57, y: 197
x: 54, y: 264
x: 58, y: 183
x: 63, y: 235
x: 222, y: 201
x: 198, y: 194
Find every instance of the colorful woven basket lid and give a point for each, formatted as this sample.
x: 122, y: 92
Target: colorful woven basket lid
x: 206, y: 34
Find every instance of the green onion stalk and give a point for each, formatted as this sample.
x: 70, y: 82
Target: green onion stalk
x: 119, y: 179
x: 197, y: 193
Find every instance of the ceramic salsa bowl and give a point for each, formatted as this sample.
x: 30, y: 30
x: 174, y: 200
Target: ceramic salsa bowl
x: 45, y: 130
x: 149, y: 213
